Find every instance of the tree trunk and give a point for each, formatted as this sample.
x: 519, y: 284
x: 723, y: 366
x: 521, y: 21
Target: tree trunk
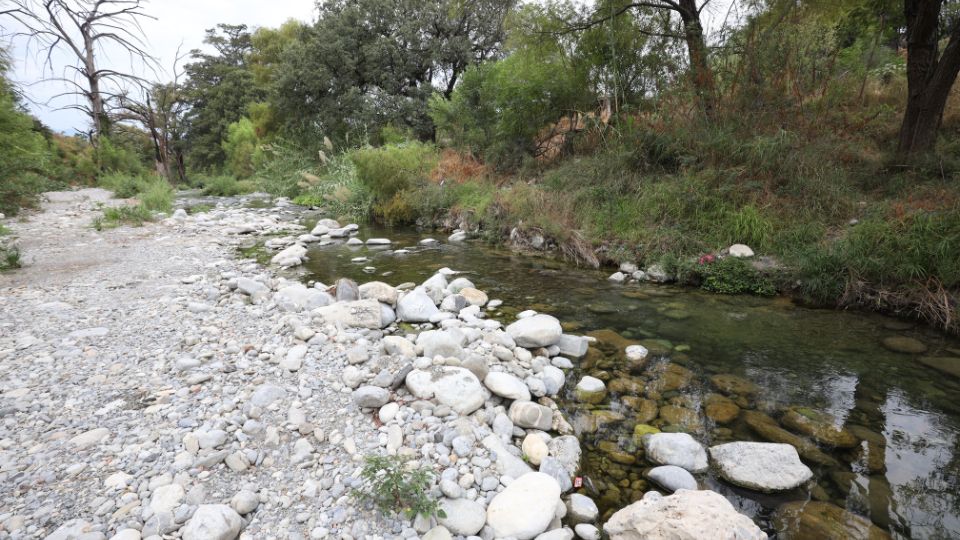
x: 703, y: 82
x: 97, y: 110
x: 930, y: 76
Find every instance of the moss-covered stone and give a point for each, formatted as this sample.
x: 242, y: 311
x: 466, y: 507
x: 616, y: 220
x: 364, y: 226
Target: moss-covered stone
x: 734, y: 385
x: 720, y: 409
x: 819, y: 426
x: 814, y: 519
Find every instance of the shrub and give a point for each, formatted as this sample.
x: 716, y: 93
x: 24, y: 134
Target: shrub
x: 124, y: 185
x: 394, y: 485
x: 224, y: 185
x: 285, y: 170
x: 242, y: 148
x: 392, y: 168
x: 122, y: 215
x: 732, y: 275
x: 9, y: 257
x: 158, y: 196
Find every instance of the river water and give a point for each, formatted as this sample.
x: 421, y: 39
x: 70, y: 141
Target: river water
x: 774, y: 356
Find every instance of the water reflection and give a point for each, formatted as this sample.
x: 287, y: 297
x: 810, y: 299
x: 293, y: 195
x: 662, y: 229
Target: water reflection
x: 904, y: 473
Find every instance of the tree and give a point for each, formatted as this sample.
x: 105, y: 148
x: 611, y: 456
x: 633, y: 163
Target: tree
x: 160, y: 109
x: 220, y: 88
x: 368, y: 63
x: 83, y: 28
x: 930, y: 75
x: 693, y: 35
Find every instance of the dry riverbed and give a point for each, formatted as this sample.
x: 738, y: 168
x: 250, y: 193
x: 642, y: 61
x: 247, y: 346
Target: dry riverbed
x: 155, y: 385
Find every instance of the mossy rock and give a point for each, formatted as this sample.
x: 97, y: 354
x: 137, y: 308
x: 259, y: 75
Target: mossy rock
x: 904, y: 345
x: 943, y: 364
x: 670, y: 377
x: 735, y: 385
x: 657, y: 347
x: 819, y: 426
x: 645, y: 410
x: 615, y: 453
x: 768, y: 429
x: 720, y: 409
x: 814, y: 519
x: 624, y: 385
x: 610, y: 342
x: 584, y: 396
x: 640, y: 430
x: 679, y: 416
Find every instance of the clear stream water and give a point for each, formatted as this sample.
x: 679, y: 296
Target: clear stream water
x: 904, y: 473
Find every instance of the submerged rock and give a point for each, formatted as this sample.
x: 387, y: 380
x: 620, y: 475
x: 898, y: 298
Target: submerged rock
x: 685, y: 515
x: 819, y: 426
x: 767, y: 428
x: 814, y: 519
x: 720, y: 409
x: 672, y: 478
x: 734, y: 385
x: 590, y: 390
x: 677, y: 449
x: 943, y: 364
x: 764, y: 467
x: 903, y: 344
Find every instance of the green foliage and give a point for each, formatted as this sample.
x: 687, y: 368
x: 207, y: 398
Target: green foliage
x: 392, y: 168
x: 286, y: 170
x: 158, y: 196
x: 153, y: 192
x: 9, y: 257
x: 242, y: 148
x: 224, y: 185
x: 394, y: 485
x: 338, y: 188
x: 732, y: 275
x: 112, y: 217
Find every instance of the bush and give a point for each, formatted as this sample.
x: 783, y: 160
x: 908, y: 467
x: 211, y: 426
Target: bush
x: 731, y: 275
x: 394, y: 485
x: 224, y: 185
x: 124, y: 185
x: 286, y: 170
x: 9, y: 257
x: 242, y: 148
x: 158, y: 196
x: 337, y: 188
x: 122, y: 215
x: 392, y: 168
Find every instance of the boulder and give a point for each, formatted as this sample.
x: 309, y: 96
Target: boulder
x: 212, y: 522
x: 567, y: 451
x: 444, y: 343
x: 534, y: 449
x: 768, y: 429
x: 536, y: 331
x: 347, y: 290
x: 454, y: 387
x: 672, y: 478
x: 525, y: 508
x: 371, y: 396
x: 379, y: 291
x: 573, y: 346
x: 507, y: 386
x: 298, y: 298
x: 677, y: 449
x: 463, y: 516
x: 819, y: 426
x: 474, y: 297
x: 359, y: 314
x: 251, y: 287
x: 685, y: 515
x: 903, y: 344
x: 814, y: 519
x: 291, y: 256
x: 766, y: 467
x: 944, y: 364
x: 552, y: 466
x: 507, y: 463
x: 528, y: 414
x: 416, y: 306
x: 581, y: 509
x: 399, y: 346
x: 590, y: 390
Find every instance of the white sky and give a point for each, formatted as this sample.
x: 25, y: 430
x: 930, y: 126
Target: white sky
x: 176, y: 21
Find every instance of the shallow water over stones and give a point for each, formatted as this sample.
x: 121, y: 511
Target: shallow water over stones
x: 879, y: 428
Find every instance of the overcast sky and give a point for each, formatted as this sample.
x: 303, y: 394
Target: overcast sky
x: 176, y: 21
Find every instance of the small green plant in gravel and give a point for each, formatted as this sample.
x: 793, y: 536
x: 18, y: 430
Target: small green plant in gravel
x: 122, y: 215
x: 394, y: 485
x: 9, y: 257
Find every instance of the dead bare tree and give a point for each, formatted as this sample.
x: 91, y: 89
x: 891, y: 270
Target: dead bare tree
x: 160, y: 109
x: 83, y: 29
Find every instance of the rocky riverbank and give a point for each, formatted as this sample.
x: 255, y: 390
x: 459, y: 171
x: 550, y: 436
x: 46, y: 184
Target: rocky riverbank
x: 156, y: 386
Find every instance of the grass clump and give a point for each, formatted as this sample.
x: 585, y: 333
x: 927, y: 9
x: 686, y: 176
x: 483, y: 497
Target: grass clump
x: 114, y: 217
x: 729, y: 275
x: 9, y: 257
x: 225, y: 186
x: 394, y: 485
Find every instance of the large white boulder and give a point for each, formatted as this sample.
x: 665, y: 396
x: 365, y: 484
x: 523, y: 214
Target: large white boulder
x: 379, y: 291
x: 536, y: 331
x: 463, y: 516
x: 525, y: 508
x: 761, y: 466
x: 506, y: 385
x: 455, y: 387
x: 298, y: 297
x: 416, y: 306
x: 445, y: 343
x: 359, y: 314
x: 291, y: 256
x: 685, y: 515
x: 677, y: 449
x: 212, y: 522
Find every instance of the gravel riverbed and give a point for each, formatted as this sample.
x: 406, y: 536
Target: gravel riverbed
x: 155, y: 385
